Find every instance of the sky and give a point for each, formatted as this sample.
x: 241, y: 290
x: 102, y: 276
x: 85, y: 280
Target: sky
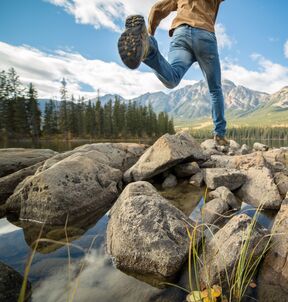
x: 46, y: 40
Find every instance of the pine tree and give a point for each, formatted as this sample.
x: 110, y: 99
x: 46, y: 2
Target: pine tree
x: 33, y: 112
x: 63, y: 115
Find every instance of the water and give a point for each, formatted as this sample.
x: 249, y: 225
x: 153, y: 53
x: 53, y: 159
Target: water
x: 54, y: 279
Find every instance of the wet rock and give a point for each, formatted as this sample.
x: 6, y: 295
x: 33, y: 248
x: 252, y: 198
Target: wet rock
x: 260, y: 189
x: 226, y: 195
x: 170, y: 181
x: 12, y: 160
x: 213, y: 211
x: 75, y: 186
x: 10, y: 182
x: 186, y: 170
x: 197, y: 179
x: 218, y: 177
x: 260, y: 147
x: 120, y: 155
x: 223, y: 250
x: 146, y: 235
x: 281, y: 180
x: 167, y: 152
x: 10, y: 284
x: 274, y: 271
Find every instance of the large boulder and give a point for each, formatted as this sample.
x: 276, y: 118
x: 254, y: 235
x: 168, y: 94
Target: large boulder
x: 12, y: 160
x: 167, y: 151
x: 229, y: 178
x: 274, y: 272
x: 75, y: 186
x: 260, y: 189
x: 120, y: 155
x: 222, y: 252
x: 9, y: 183
x: 11, y: 284
x: 146, y: 234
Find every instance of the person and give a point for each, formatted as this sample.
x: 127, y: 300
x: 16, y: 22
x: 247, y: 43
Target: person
x: 193, y: 39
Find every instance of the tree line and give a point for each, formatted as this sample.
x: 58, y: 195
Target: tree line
x: 20, y: 115
x: 248, y: 133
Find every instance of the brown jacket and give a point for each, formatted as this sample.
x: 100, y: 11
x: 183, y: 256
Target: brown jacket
x: 197, y: 13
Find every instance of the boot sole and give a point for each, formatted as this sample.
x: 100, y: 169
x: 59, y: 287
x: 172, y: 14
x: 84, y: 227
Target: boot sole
x: 130, y: 44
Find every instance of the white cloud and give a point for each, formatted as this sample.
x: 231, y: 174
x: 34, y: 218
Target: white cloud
x: 109, y: 13
x: 47, y: 70
x: 286, y: 49
x: 270, y: 77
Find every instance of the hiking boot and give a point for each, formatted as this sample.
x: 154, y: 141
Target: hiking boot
x: 221, y: 141
x: 133, y: 44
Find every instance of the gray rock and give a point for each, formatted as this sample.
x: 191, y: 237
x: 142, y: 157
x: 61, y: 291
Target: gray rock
x: 244, y: 149
x: 208, y: 144
x: 167, y: 152
x: 234, y: 146
x: 12, y: 160
x: 218, y: 177
x: 231, y: 153
x: 75, y: 186
x: 186, y: 170
x: 197, y: 179
x: 213, y: 211
x: 275, y: 267
x: 169, y: 182
x: 277, y: 160
x: 281, y: 180
x: 260, y: 189
x: 120, y: 155
x: 2, y: 211
x: 260, y: 147
x: 10, y: 182
x: 146, y: 234
x: 223, y: 250
x: 10, y: 284
x: 226, y: 195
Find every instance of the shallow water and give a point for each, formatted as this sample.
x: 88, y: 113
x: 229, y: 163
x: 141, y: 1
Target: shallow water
x: 89, y: 264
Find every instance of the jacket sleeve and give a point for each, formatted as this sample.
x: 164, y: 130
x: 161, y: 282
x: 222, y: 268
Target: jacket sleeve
x: 159, y: 11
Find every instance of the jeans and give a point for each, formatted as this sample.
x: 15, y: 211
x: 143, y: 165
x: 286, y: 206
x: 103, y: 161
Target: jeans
x: 189, y: 45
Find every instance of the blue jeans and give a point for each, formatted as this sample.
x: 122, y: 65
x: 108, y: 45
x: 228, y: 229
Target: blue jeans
x: 189, y: 45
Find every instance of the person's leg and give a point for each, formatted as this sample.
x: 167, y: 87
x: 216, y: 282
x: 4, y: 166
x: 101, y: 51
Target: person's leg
x: 180, y: 58
x: 206, y: 52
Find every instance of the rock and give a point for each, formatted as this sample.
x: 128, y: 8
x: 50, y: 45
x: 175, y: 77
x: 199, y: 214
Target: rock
x: 231, y: 153
x: 274, y: 271
x: 186, y: 170
x: 2, y: 211
x: 77, y: 185
x: 226, y: 195
x: 260, y: 147
x: 277, y: 160
x: 242, y: 162
x: 120, y: 155
x: 286, y: 196
x: 167, y: 151
x: 146, y: 235
x: 213, y: 211
x: 10, y: 284
x: 234, y: 146
x: 197, y: 179
x: 208, y: 144
x: 281, y: 180
x: 12, y: 160
x: 244, y: 150
x: 260, y: 189
x: 170, y: 181
x: 10, y: 182
x: 223, y: 250
x: 218, y: 177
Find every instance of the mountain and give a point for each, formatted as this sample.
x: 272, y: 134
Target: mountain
x: 193, y: 101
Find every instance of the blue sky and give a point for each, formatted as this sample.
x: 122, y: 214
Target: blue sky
x: 46, y: 40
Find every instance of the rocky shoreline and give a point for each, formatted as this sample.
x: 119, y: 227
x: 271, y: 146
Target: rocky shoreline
x: 146, y: 234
